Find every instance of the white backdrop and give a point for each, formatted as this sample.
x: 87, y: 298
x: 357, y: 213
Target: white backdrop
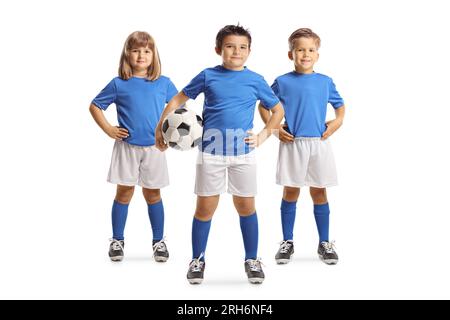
x: 390, y: 217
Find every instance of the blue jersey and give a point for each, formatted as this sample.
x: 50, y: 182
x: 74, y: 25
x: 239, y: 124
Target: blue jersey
x: 139, y: 104
x: 305, y: 98
x: 229, y: 107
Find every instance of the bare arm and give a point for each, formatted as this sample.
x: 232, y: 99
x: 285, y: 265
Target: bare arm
x: 279, y: 131
x: 264, y: 113
x: 173, y: 104
x: 112, y: 131
x: 336, y: 123
x: 272, y: 122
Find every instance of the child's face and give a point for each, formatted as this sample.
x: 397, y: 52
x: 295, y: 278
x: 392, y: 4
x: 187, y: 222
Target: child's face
x: 234, y: 52
x: 304, y: 55
x: 140, y: 60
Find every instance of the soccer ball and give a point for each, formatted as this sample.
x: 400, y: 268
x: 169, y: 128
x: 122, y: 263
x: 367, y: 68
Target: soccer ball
x: 182, y: 129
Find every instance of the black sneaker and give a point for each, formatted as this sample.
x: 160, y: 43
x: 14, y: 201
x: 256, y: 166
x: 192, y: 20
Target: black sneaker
x: 116, y: 250
x: 160, y: 253
x: 195, y: 271
x: 285, y: 252
x: 254, y: 271
x: 327, y: 253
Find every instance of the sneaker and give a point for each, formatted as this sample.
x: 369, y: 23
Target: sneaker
x: 196, y: 270
x: 285, y: 252
x: 116, y: 250
x: 327, y: 253
x: 254, y: 271
x: 160, y: 253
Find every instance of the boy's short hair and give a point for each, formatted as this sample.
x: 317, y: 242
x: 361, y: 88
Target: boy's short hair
x: 232, y: 30
x: 303, y: 33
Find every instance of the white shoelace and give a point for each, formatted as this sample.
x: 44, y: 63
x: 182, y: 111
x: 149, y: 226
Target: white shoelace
x: 329, y: 246
x: 160, y: 246
x: 116, y: 244
x: 285, y: 246
x: 255, y: 265
x: 196, y: 264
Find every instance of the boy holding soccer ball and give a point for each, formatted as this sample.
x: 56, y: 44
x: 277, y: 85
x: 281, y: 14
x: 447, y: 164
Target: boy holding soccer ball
x: 231, y: 92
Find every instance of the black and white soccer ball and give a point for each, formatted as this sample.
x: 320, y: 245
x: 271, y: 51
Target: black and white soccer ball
x: 182, y: 129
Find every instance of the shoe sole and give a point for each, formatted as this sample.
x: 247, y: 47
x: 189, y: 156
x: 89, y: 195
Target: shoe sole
x: 329, y: 261
x: 283, y: 261
x: 116, y: 259
x: 161, y: 259
x: 255, y: 280
x: 195, y: 281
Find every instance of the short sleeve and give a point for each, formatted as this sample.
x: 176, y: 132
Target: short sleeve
x: 266, y: 95
x: 276, y: 89
x: 107, y: 96
x: 334, y: 98
x: 171, y: 91
x: 196, y: 86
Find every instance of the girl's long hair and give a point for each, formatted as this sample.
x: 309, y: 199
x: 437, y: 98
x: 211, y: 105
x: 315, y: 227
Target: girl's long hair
x: 136, y: 40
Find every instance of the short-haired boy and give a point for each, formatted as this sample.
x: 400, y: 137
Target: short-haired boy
x: 231, y: 92
x: 305, y: 156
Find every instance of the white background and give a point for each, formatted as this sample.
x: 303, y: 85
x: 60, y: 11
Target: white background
x: 390, y: 216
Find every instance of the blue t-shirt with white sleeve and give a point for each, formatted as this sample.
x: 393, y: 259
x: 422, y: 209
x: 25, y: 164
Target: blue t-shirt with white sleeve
x: 139, y: 104
x: 229, y: 107
x: 305, y: 98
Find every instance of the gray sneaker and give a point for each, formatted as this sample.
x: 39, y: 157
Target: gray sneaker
x: 116, y: 250
x: 160, y: 253
x: 196, y: 271
x: 327, y: 253
x: 285, y: 252
x: 254, y: 271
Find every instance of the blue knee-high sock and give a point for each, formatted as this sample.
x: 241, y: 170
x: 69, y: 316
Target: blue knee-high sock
x: 156, y: 215
x: 322, y: 215
x: 249, y: 229
x: 288, y: 210
x: 119, y: 218
x: 200, y: 232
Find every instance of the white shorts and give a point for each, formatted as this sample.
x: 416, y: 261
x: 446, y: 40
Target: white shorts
x: 212, y: 172
x: 135, y: 165
x: 306, y: 162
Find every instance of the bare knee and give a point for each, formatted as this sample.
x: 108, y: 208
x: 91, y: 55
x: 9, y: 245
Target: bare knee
x: 152, y: 196
x: 203, y: 215
x: 318, y: 195
x: 124, y: 194
x: 206, y: 206
x: 291, y: 194
x: 245, y: 206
